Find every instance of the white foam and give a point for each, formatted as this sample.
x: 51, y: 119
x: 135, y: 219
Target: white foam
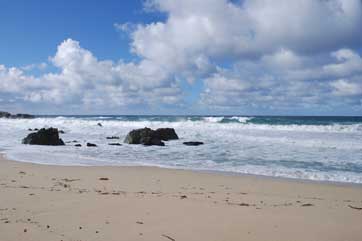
x: 296, y: 151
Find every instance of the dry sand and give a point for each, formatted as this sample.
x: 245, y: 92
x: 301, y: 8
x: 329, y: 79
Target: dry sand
x: 54, y: 203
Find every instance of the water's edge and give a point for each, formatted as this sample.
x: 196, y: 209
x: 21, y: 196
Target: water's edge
x: 212, y: 172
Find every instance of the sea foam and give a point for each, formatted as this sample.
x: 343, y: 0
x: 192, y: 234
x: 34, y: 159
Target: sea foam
x: 331, y: 151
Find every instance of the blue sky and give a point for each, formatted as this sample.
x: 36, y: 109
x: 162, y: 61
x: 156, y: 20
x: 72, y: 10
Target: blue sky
x: 31, y: 30
x: 181, y: 57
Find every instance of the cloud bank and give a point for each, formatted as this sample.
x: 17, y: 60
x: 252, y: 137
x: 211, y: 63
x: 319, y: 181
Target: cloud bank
x: 246, y: 55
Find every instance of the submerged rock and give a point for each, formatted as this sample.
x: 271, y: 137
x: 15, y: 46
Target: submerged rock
x: 193, y: 143
x: 149, y: 137
x: 115, y: 144
x: 91, y: 145
x: 77, y: 145
x: 47, y: 137
x: 112, y: 138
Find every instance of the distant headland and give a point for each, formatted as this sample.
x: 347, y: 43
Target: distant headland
x: 4, y: 114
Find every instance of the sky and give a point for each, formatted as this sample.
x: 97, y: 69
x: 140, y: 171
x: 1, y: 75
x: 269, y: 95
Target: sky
x: 180, y: 57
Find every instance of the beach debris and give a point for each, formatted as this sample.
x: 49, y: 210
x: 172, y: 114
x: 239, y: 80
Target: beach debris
x: 139, y: 222
x: 91, y: 145
x: 244, y: 204
x: 307, y: 205
x: 168, y: 237
x: 193, y: 143
x: 25, y: 230
x: 149, y: 137
x: 356, y: 208
x: 48, y: 137
x: 183, y: 197
x: 103, y: 178
x: 22, y: 173
x: 112, y: 137
x: 70, y: 180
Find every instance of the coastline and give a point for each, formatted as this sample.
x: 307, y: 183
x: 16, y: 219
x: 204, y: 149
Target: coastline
x: 212, y: 172
x: 43, y: 202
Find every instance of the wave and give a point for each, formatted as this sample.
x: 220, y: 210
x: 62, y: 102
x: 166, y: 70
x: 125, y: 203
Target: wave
x: 231, y: 123
x: 269, y: 146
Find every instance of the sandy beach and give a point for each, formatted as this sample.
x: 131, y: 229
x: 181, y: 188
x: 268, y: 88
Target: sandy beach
x: 40, y: 202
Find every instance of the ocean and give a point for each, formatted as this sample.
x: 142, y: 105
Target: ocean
x: 311, y: 148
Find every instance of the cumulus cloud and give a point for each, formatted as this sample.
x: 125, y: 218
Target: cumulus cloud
x: 257, y: 53
x: 286, y: 80
x: 85, y: 80
x: 344, y: 87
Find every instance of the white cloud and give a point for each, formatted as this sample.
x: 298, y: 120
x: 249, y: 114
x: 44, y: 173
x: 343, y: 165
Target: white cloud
x: 257, y: 53
x: 286, y: 79
x: 344, y: 87
x: 85, y: 80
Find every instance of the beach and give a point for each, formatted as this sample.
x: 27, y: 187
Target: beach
x: 44, y: 202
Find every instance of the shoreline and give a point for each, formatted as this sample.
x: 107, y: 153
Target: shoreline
x: 43, y: 202
x: 212, y: 172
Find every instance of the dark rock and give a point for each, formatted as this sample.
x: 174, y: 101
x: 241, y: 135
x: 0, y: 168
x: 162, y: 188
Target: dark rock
x: 77, y: 145
x: 22, y: 116
x: 99, y: 124
x: 48, y: 137
x: 193, y: 143
x: 145, y: 136
x: 4, y: 114
x: 91, y: 145
x: 152, y: 141
x: 62, y: 132
x: 30, y: 129
x: 36, y: 129
x: 166, y: 134
x: 112, y: 138
x: 115, y: 144
x: 137, y: 136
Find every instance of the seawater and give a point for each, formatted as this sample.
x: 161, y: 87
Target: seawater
x: 313, y: 148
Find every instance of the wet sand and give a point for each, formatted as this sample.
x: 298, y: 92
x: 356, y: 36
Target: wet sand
x: 39, y: 202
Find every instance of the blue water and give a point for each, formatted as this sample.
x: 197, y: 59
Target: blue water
x: 269, y: 120
x: 309, y: 147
